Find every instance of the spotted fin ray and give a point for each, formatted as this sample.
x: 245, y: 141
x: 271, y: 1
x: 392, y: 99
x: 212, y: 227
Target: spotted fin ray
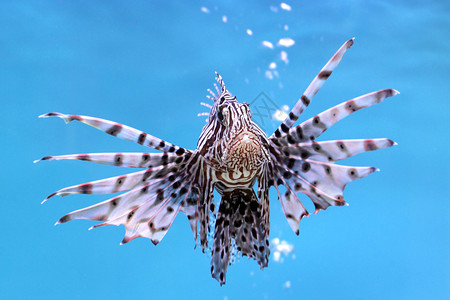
x: 292, y: 206
x: 331, y: 151
x: 315, y: 126
x: 129, y: 160
x: 152, y: 198
x: 147, y: 210
x: 303, y: 165
x: 121, y: 131
x: 312, y: 89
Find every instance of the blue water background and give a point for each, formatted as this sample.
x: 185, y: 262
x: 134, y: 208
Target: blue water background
x: 148, y: 64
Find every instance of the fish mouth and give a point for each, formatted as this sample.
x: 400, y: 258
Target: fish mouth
x: 246, y: 140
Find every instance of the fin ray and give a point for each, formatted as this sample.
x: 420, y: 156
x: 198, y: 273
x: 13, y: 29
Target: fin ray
x: 330, y: 151
x: 121, y: 131
x: 312, y: 128
x: 312, y: 89
x: 130, y: 160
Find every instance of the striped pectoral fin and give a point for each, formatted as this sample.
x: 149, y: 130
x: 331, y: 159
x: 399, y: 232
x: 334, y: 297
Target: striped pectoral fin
x: 130, y: 160
x: 97, y: 212
x: 312, y: 128
x: 147, y: 184
x: 321, y: 199
x: 330, y: 151
x: 121, y: 131
x: 106, y: 186
x: 189, y: 208
x: 292, y: 206
x: 147, y: 201
x: 330, y: 177
x: 323, y: 182
x: 153, y: 224
x: 146, y: 211
x: 111, y: 208
x: 162, y: 222
x: 117, y: 183
x: 205, y: 208
x: 189, y: 205
x: 312, y: 90
x: 154, y: 218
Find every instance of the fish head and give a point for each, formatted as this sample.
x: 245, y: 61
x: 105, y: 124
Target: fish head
x: 238, y: 141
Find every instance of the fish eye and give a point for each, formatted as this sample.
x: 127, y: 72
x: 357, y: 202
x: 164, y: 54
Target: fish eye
x: 220, y: 116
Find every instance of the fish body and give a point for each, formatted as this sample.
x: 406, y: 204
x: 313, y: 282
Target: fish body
x: 233, y: 155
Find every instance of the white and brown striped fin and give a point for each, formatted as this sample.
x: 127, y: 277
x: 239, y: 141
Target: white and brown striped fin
x: 105, y: 186
x: 327, y: 177
x: 189, y: 208
x: 240, y: 220
x: 116, y: 184
x: 312, y: 90
x: 147, y: 210
x: 117, y: 206
x: 206, y: 207
x: 292, y: 206
x: 199, y: 205
x: 331, y: 151
x: 315, y: 126
x: 121, y: 131
x: 324, y: 182
x: 264, y: 184
x: 129, y: 160
x: 153, y: 219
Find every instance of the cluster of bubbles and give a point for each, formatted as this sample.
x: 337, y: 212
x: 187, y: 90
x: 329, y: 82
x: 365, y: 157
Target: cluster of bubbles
x: 270, y: 72
x: 281, y: 249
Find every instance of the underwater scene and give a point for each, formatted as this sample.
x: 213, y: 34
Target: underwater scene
x: 221, y: 160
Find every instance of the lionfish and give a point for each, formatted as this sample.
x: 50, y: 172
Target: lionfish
x: 232, y: 154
